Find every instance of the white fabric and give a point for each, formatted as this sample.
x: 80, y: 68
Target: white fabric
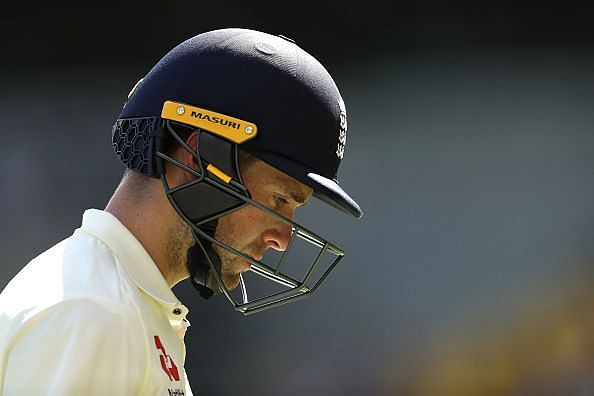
x: 92, y: 316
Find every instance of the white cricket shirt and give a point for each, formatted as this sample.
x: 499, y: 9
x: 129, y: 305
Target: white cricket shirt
x: 92, y: 316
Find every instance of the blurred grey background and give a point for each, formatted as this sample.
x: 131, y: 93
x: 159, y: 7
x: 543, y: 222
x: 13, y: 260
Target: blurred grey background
x: 470, y: 149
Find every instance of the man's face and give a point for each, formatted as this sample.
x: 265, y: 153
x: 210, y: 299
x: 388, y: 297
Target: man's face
x: 251, y: 230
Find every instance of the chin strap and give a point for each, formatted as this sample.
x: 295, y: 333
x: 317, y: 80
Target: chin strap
x: 199, y: 267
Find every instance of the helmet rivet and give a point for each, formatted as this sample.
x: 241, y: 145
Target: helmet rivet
x: 181, y: 110
x: 249, y: 130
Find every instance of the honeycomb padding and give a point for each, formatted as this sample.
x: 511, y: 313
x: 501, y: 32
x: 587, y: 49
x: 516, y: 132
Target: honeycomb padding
x: 133, y: 141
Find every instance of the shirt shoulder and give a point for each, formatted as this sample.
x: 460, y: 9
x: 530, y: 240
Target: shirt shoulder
x: 90, y: 347
x: 80, y: 267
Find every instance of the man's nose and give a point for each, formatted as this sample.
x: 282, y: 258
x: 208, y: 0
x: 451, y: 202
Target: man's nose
x: 278, y: 237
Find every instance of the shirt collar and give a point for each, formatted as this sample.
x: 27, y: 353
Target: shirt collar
x: 132, y: 256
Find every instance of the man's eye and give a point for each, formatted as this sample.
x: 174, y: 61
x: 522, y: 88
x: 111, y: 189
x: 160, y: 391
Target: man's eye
x: 280, y: 200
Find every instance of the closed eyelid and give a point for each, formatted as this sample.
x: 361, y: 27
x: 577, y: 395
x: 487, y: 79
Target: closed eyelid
x: 281, y: 198
x: 295, y: 196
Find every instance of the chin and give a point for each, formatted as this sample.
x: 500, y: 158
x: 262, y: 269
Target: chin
x: 231, y: 281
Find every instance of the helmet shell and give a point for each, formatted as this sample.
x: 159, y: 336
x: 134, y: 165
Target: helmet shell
x: 269, y: 81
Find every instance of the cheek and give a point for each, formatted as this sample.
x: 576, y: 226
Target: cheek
x: 241, y: 226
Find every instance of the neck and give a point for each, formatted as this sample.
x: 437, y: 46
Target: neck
x: 150, y: 218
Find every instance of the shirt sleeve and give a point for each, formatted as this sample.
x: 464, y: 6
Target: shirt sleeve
x: 77, y: 347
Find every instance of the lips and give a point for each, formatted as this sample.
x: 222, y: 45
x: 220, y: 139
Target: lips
x: 256, y: 257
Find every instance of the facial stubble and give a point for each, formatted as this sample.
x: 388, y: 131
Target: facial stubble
x: 179, y: 236
x: 231, y: 264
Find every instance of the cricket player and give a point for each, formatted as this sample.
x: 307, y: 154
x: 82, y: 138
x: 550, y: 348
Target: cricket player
x: 224, y: 138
